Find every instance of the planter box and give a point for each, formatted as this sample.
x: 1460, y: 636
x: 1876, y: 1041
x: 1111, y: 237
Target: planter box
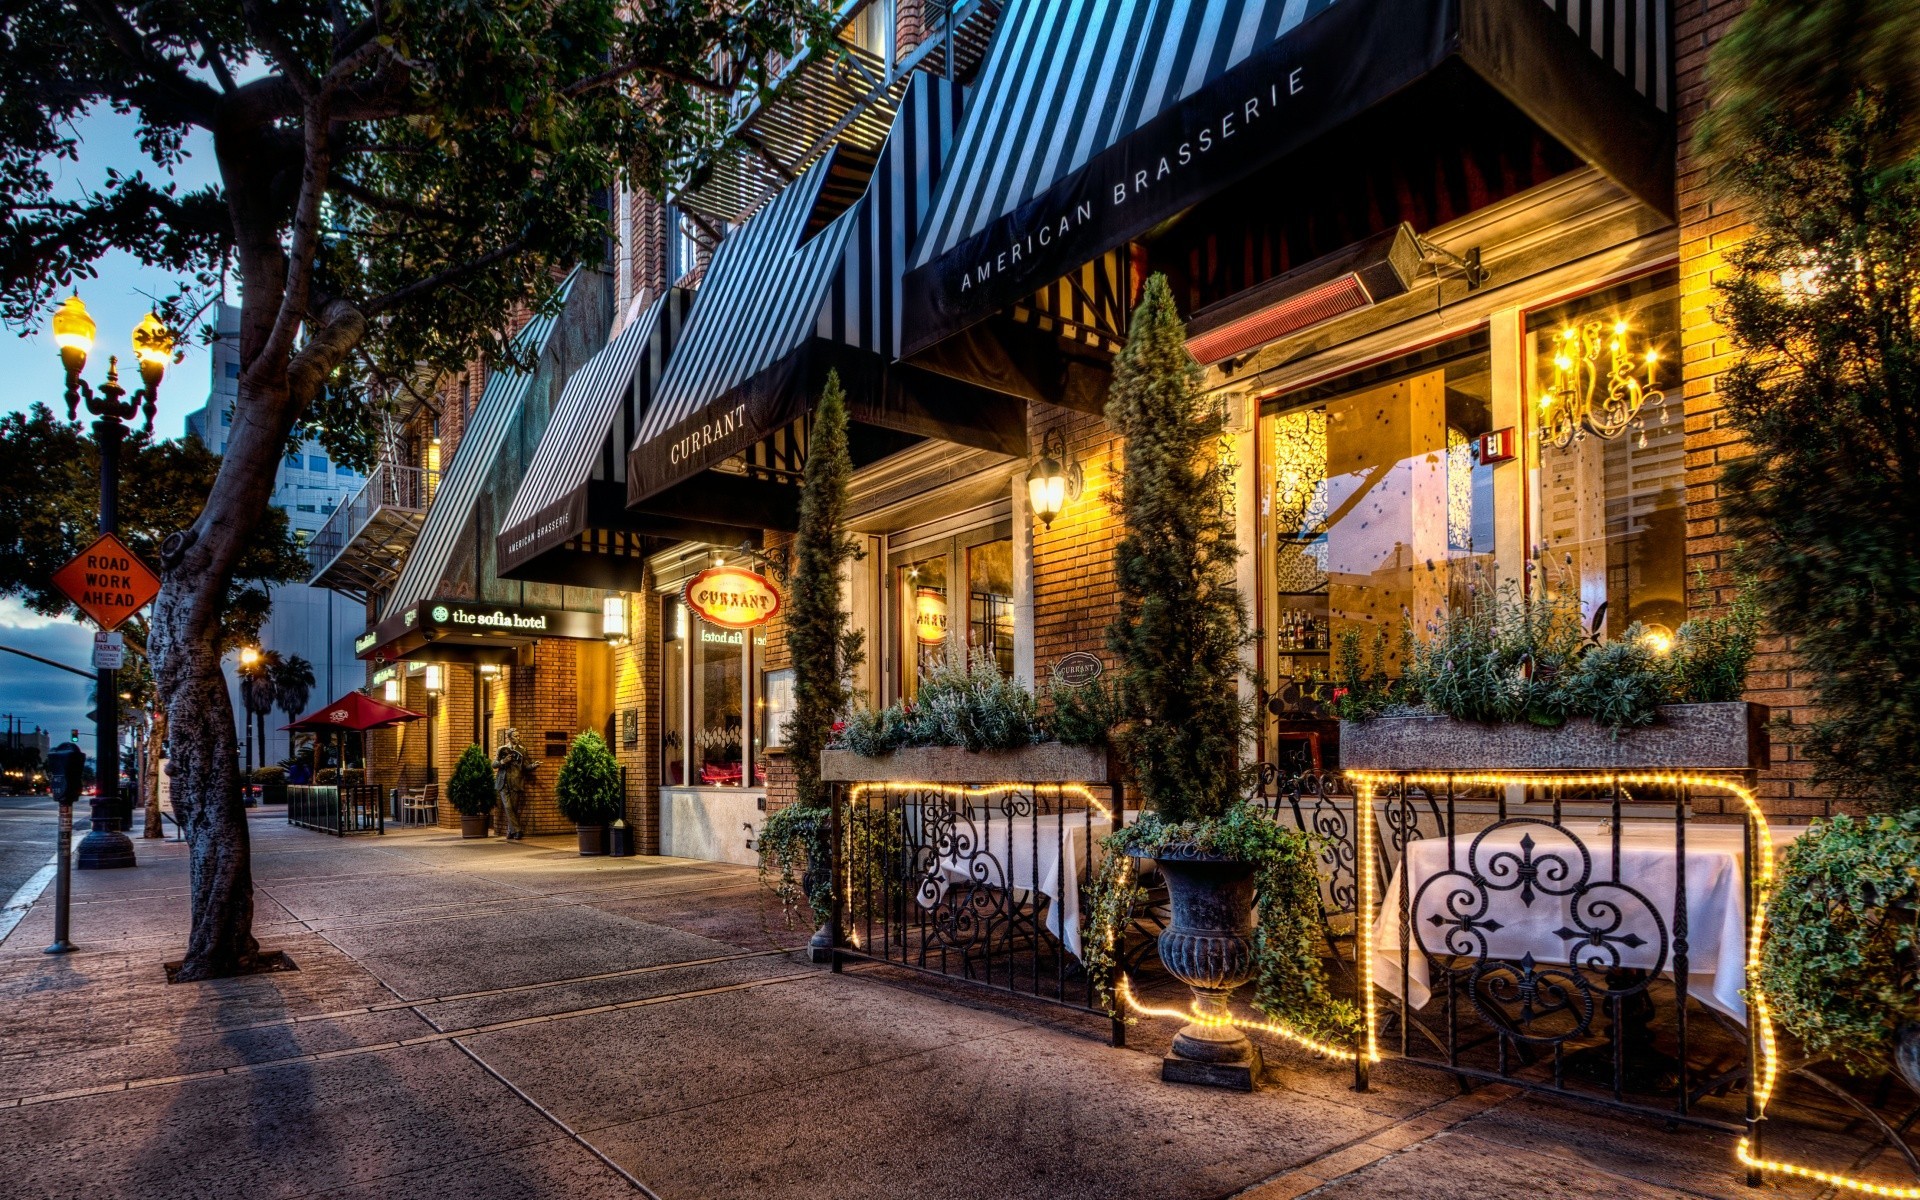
x: 1684, y: 736
x: 1048, y: 762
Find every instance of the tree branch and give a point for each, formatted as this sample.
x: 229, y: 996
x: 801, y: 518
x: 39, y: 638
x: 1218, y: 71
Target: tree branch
x: 201, y: 102
x: 385, y: 203
x: 439, y: 279
x: 261, y: 25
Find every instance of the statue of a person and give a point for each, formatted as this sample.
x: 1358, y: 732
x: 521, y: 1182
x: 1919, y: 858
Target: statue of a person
x: 511, y: 766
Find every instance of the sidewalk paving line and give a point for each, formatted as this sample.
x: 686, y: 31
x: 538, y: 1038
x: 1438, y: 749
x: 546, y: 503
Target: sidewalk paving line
x: 438, y: 1036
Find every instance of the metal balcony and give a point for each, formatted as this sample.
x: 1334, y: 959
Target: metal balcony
x: 360, y: 550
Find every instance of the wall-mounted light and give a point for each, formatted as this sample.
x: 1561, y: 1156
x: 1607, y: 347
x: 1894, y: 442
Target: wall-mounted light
x: 393, y: 691
x: 1053, y: 481
x: 489, y: 669
x: 613, y: 618
x: 433, y: 679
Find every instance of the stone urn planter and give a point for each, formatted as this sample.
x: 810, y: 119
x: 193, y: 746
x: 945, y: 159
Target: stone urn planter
x: 474, y: 826
x: 1683, y: 737
x: 1209, y: 946
x: 593, y: 839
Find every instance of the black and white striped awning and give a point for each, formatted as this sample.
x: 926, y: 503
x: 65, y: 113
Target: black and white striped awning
x: 572, y: 499
x: 1097, y: 121
x: 801, y: 288
x: 473, y: 461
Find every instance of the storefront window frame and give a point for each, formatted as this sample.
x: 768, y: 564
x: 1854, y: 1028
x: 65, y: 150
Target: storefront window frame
x: 954, y: 548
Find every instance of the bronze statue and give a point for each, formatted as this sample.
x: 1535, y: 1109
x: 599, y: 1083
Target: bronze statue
x: 511, y: 766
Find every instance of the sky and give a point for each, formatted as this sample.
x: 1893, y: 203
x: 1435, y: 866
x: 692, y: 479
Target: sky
x: 30, y: 372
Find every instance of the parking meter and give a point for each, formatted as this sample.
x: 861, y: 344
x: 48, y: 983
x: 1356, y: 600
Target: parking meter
x: 66, y: 767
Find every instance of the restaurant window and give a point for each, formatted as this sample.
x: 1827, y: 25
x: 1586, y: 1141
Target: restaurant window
x: 1374, y: 507
x: 1609, y: 507
x: 706, y: 677
x: 871, y: 28
x: 952, y: 598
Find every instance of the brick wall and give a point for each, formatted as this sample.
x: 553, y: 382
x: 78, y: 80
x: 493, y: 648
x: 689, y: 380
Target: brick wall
x: 1074, y: 596
x: 636, y: 685
x: 1709, y: 227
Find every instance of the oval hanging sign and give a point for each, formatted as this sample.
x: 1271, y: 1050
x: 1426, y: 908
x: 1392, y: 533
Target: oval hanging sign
x: 732, y: 597
x: 930, y: 615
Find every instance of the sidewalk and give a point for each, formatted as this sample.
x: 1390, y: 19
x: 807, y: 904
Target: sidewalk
x: 494, y: 1019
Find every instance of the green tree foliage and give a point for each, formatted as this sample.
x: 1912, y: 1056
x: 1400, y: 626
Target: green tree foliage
x: 1812, y: 140
x: 823, y: 649
x: 589, y: 785
x: 292, y: 686
x: 1182, y: 624
x: 50, y: 506
x: 470, y: 791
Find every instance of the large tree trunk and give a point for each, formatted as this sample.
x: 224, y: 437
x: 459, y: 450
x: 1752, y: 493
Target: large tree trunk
x: 150, y: 774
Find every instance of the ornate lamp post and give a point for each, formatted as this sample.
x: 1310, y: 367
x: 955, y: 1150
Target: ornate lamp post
x: 107, y: 845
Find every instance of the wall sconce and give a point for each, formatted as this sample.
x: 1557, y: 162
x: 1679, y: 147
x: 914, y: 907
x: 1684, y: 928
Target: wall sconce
x: 1054, y: 480
x: 433, y: 679
x: 613, y: 618
x: 489, y: 669
x: 393, y: 691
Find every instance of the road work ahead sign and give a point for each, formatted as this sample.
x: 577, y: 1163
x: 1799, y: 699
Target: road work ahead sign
x: 108, y: 582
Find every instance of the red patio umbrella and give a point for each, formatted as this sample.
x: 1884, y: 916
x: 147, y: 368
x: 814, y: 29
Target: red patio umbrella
x: 355, y: 712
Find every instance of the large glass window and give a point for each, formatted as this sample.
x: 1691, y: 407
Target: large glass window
x: 1609, y: 508
x: 1375, y: 506
x: 951, y: 598
x: 706, y: 680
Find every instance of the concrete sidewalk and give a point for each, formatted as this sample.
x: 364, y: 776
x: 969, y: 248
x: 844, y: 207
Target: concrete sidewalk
x: 508, y: 1019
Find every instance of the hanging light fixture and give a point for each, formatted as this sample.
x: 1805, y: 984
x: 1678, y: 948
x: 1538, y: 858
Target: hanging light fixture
x: 1054, y: 480
x: 613, y: 618
x: 1601, y: 384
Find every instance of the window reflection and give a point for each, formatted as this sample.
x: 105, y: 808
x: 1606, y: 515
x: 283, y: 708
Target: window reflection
x: 990, y: 601
x: 924, y: 620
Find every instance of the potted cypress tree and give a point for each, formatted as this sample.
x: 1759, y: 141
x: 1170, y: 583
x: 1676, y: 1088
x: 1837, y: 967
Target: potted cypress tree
x: 589, y: 790
x: 823, y: 651
x: 1179, y: 638
x: 471, y: 791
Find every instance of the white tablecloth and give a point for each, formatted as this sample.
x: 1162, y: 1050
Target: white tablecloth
x: 1716, y: 903
x: 993, y: 850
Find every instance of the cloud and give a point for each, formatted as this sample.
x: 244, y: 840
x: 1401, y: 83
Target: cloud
x: 14, y: 614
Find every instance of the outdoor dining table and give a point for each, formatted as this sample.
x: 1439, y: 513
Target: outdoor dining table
x: 1027, y: 854
x: 1519, y: 920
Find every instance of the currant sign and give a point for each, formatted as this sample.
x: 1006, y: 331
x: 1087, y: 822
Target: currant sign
x: 732, y: 597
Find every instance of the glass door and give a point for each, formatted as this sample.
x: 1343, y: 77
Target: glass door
x: 949, y: 599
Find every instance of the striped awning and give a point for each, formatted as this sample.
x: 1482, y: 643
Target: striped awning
x: 1096, y: 121
x: 800, y: 287
x: 586, y: 438
x: 462, y: 479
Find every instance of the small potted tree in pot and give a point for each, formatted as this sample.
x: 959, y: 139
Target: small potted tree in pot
x: 471, y: 791
x: 1179, y: 635
x: 589, y: 790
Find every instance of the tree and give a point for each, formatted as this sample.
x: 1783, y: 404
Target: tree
x: 396, y: 183
x: 293, y: 686
x: 470, y: 791
x: 1181, y: 625
x: 588, y: 790
x: 824, y: 651
x: 257, y: 697
x: 1810, y: 137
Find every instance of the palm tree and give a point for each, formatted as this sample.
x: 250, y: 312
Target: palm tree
x: 293, y: 686
x: 257, y: 696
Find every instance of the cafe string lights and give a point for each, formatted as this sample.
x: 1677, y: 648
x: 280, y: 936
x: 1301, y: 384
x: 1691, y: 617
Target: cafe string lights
x: 1604, y: 381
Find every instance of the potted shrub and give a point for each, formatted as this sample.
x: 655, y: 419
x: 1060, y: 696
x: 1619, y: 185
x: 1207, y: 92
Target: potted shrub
x: 272, y: 782
x: 1506, y: 682
x: 470, y: 791
x: 1846, y: 906
x: 1179, y: 637
x: 589, y: 790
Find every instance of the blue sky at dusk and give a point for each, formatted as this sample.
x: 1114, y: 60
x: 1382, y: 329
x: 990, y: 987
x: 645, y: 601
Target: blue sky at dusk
x: 30, y: 368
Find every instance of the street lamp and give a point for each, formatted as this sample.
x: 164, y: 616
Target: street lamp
x: 249, y: 662
x: 107, y: 845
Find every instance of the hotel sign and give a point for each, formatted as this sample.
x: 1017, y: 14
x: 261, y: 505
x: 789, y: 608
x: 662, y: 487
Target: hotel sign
x: 1296, y: 88
x: 469, y: 622
x: 732, y: 597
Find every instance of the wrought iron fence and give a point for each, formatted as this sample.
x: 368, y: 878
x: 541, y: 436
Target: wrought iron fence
x: 980, y: 882
x: 336, y: 809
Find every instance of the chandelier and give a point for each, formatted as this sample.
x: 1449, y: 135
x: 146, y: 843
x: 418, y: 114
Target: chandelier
x: 1589, y: 395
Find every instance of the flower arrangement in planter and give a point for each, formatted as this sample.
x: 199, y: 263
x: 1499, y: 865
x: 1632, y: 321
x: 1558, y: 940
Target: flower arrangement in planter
x: 1243, y: 891
x: 470, y: 791
x: 589, y: 790
x: 1556, y: 693
x: 1846, y: 906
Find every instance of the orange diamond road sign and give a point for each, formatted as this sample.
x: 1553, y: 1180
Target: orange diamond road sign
x: 108, y: 582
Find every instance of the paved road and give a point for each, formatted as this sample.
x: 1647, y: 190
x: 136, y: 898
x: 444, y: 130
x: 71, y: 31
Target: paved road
x: 27, y: 828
